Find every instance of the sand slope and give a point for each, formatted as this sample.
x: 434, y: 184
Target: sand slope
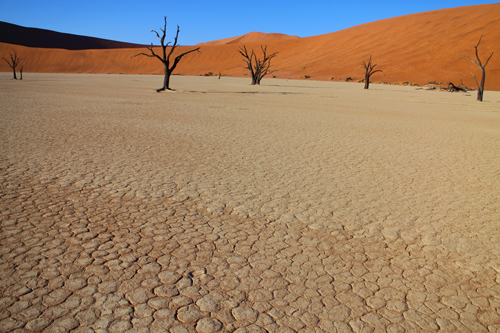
x: 417, y: 48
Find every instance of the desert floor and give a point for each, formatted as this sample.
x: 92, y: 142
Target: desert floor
x: 294, y: 206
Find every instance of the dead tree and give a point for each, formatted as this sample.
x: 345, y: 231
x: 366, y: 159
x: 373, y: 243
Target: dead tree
x: 258, y: 67
x: 480, y: 87
x: 454, y: 88
x: 13, y: 62
x: 165, y: 58
x: 369, y: 71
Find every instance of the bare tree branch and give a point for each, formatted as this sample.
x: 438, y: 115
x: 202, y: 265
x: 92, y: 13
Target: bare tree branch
x: 179, y: 57
x: 466, y: 57
x: 175, y: 42
x: 157, y: 34
x: 475, y: 80
x: 152, y: 55
x: 487, y: 61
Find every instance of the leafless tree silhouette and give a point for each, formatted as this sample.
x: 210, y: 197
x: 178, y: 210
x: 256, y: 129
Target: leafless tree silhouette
x: 480, y: 86
x: 258, y: 67
x: 369, y: 71
x: 165, y: 58
x: 14, y: 62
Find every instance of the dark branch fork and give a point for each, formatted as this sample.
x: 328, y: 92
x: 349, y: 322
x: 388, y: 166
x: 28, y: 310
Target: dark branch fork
x: 165, y: 59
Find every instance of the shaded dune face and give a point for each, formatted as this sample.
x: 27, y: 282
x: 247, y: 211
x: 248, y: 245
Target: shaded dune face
x: 417, y: 48
x: 33, y: 37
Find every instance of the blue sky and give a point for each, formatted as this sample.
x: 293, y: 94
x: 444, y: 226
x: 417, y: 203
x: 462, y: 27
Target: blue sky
x: 202, y: 21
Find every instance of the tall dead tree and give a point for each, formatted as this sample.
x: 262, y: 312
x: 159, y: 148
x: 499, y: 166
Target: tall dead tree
x: 258, y: 67
x: 480, y: 87
x: 165, y: 58
x: 14, y: 62
x: 369, y: 71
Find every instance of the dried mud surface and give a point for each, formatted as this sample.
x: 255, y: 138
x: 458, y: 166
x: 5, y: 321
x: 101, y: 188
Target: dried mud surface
x: 289, y: 207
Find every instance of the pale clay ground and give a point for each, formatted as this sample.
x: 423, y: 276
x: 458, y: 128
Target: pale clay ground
x: 295, y: 206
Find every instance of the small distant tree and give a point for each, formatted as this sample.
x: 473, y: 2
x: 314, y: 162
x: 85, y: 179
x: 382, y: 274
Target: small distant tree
x: 369, y: 71
x: 165, y: 58
x: 480, y: 86
x: 258, y: 67
x: 14, y: 62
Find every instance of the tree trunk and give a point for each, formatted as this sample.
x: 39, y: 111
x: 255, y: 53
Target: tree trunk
x: 14, y: 71
x: 166, y: 84
x: 166, y: 78
x: 21, y: 72
x: 480, y: 89
x: 367, y: 81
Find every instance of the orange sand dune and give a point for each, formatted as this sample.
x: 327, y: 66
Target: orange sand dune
x: 416, y: 48
x: 251, y: 37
